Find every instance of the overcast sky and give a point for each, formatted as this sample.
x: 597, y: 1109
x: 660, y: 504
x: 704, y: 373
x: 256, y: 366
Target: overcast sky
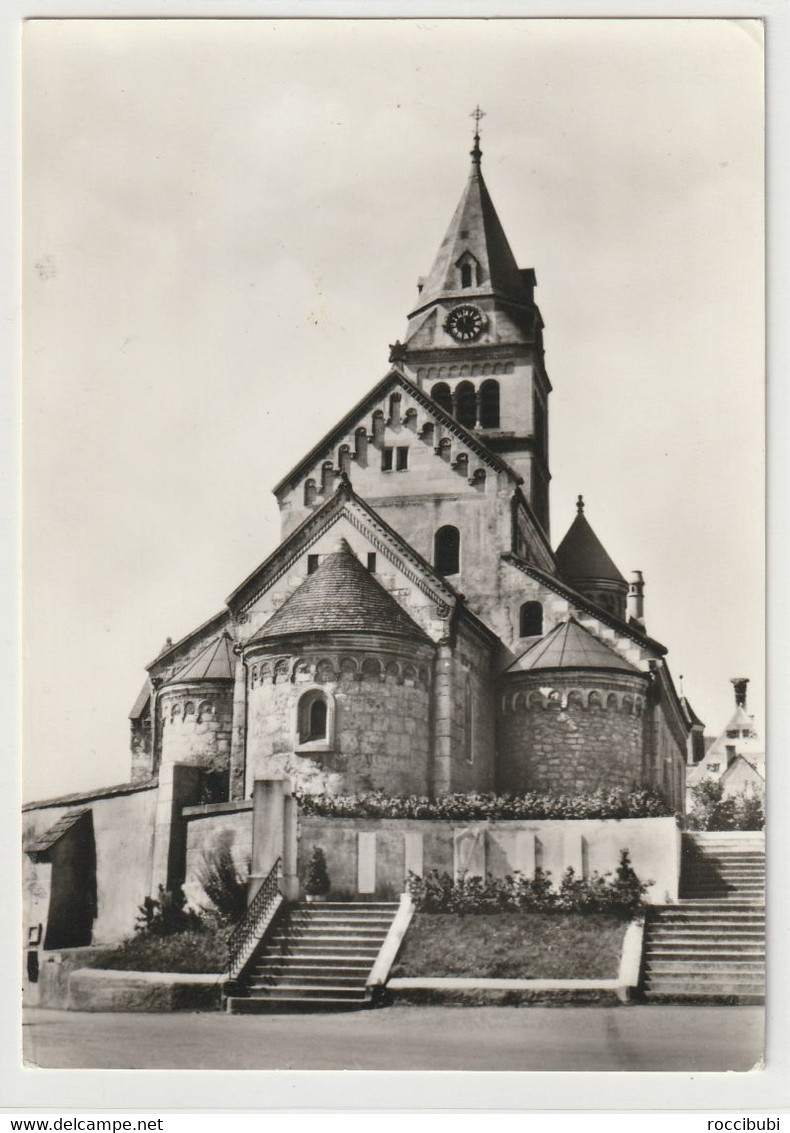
x: 224, y: 226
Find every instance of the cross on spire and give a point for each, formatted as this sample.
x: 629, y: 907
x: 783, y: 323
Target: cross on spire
x: 476, y: 152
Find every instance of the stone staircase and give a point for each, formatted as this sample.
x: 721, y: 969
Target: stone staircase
x: 317, y: 958
x: 711, y: 944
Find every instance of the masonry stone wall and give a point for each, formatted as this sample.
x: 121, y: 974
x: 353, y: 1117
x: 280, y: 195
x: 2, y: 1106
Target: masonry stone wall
x: 195, y: 724
x: 471, y: 724
x: 379, y: 717
x: 571, y: 733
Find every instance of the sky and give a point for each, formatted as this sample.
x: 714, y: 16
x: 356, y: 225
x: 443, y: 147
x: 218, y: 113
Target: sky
x: 223, y: 226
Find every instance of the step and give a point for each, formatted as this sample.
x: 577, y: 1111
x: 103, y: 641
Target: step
x: 705, y: 916
x: 316, y: 960
x: 704, y: 964
x: 305, y: 991
x: 382, y: 923
x: 287, y: 976
x: 367, y: 940
x: 730, y: 987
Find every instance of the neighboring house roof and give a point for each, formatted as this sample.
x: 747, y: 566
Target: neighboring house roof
x: 581, y: 557
x: 44, y: 842
x: 570, y: 646
x: 475, y: 229
x: 396, y: 377
x: 214, y: 663
x: 745, y: 765
x: 340, y: 596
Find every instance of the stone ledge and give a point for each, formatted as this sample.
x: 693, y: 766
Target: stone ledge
x: 97, y: 989
x: 217, y: 808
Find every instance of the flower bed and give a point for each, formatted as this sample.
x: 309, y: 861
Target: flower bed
x: 478, y: 807
x: 620, y: 896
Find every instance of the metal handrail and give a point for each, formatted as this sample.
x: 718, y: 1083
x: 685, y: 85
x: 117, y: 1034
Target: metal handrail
x: 248, y: 932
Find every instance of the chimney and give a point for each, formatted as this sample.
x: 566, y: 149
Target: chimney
x: 739, y: 684
x: 635, y: 605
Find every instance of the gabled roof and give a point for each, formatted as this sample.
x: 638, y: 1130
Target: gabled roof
x: 692, y: 719
x: 581, y: 557
x: 570, y: 646
x: 214, y: 663
x: 141, y: 703
x: 344, y: 499
x: 90, y: 796
x: 475, y: 229
x: 44, y: 842
x: 395, y: 377
x: 216, y: 622
x: 551, y: 582
x: 340, y: 596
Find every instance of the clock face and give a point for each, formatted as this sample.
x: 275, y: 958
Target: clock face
x: 465, y: 323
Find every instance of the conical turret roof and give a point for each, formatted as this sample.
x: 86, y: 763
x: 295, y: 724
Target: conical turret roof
x: 214, y: 663
x: 341, y: 595
x: 475, y: 229
x: 581, y: 557
x: 570, y: 646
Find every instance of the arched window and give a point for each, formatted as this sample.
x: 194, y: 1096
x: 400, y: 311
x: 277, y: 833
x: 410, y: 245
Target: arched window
x: 441, y: 395
x: 447, y: 550
x: 531, y: 619
x: 466, y: 275
x: 309, y: 493
x: 489, y: 405
x: 314, y: 723
x: 466, y: 404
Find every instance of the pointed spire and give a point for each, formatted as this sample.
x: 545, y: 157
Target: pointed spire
x: 475, y: 238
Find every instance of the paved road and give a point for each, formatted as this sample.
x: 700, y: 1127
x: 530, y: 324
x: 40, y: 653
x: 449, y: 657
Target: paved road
x: 404, y: 1038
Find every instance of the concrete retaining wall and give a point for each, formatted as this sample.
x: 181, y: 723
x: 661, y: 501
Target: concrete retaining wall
x: 492, y: 849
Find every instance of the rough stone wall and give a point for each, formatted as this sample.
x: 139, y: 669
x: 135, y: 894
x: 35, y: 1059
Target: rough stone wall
x: 472, y: 727
x: 142, y: 749
x: 572, y: 733
x: 381, y: 719
x: 669, y: 767
x: 195, y: 723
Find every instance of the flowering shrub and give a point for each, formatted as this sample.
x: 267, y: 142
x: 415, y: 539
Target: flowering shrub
x: 619, y: 896
x: 474, y: 807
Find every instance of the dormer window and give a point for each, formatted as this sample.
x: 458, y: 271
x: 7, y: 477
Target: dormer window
x: 466, y: 275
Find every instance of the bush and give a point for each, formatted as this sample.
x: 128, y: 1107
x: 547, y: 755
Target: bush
x: 476, y: 807
x: 165, y: 915
x: 317, y: 881
x: 198, y: 950
x: 621, y: 896
x: 712, y: 810
x: 222, y: 883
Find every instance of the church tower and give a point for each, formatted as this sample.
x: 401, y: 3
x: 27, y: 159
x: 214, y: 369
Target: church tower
x: 474, y: 340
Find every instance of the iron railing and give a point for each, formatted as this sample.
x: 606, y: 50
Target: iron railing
x: 251, y: 928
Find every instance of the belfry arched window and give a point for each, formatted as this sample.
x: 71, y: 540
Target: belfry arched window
x: 531, y: 620
x: 441, y: 395
x: 489, y: 405
x: 447, y: 550
x: 466, y: 275
x: 466, y: 405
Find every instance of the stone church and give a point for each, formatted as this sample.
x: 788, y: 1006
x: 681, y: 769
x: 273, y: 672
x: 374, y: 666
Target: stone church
x: 415, y: 631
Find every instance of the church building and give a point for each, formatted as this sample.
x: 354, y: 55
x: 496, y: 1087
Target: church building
x: 416, y: 632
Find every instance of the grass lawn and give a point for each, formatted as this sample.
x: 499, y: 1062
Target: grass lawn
x: 512, y: 946
x: 202, y: 952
